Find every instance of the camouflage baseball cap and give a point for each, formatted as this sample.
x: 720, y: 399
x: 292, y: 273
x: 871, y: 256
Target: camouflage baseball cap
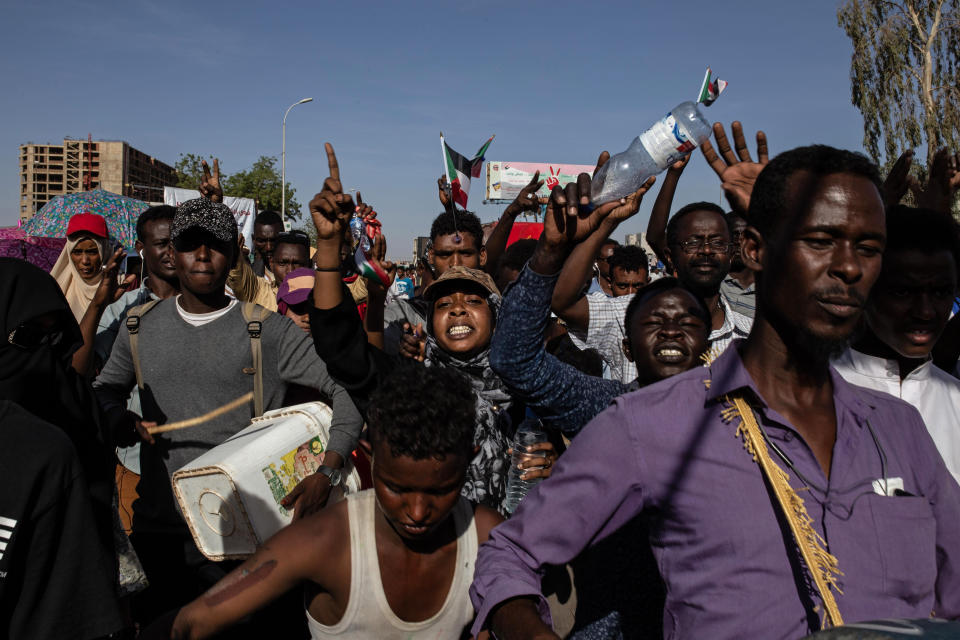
x: 213, y: 217
x: 462, y: 273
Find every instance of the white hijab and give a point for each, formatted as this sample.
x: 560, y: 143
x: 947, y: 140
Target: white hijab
x: 79, y: 293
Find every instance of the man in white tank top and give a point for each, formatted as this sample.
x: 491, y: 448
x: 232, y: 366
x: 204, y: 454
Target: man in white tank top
x: 395, y: 561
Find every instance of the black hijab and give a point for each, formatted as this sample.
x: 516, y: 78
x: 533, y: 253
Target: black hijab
x: 41, y: 379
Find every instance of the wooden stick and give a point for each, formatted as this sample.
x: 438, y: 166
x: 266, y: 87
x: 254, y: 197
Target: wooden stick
x: 192, y: 422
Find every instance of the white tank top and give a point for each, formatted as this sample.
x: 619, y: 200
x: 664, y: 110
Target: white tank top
x: 368, y: 614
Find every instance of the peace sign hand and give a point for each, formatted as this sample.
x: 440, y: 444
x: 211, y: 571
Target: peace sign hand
x: 527, y: 199
x: 738, y: 175
x: 210, y: 183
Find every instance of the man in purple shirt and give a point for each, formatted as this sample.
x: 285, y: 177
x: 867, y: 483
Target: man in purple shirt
x: 874, y: 486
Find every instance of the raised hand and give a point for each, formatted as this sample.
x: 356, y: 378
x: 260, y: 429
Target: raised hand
x: 739, y: 172
x: 413, y: 342
x: 942, y: 185
x: 109, y: 290
x: 527, y: 199
x: 444, y: 194
x: 210, y: 183
x: 899, y: 180
x: 309, y: 496
x: 331, y: 208
x: 680, y: 165
x: 569, y: 219
x: 378, y: 257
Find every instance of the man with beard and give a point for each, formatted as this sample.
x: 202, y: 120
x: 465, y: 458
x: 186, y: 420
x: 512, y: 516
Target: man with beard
x: 745, y: 469
x: 906, y: 314
x: 738, y: 288
x: 698, y: 246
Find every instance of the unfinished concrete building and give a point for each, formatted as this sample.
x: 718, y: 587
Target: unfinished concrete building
x: 50, y: 170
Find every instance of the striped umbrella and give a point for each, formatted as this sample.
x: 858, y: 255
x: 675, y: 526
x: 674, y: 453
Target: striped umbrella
x: 120, y: 212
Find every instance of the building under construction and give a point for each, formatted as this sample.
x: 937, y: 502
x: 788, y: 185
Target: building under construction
x: 50, y: 170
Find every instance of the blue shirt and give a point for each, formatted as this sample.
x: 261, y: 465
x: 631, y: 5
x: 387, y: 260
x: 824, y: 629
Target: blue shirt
x: 564, y: 397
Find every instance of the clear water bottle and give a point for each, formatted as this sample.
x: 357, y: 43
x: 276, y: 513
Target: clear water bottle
x: 668, y: 140
x: 530, y: 432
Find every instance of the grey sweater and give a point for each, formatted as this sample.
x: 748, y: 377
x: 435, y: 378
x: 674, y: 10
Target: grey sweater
x: 189, y: 371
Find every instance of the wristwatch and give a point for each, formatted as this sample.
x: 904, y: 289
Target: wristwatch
x: 334, y: 475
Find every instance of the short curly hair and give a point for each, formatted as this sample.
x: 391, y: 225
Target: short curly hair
x: 674, y: 222
x: 628, y: 258
x: 423, y: 412
x: 448, y: 223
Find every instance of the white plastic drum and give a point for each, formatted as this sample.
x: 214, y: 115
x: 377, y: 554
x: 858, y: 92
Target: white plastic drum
x: 230, y: 496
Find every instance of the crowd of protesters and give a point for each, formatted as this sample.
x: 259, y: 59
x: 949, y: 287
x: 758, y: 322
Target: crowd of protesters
x: 752, y: 432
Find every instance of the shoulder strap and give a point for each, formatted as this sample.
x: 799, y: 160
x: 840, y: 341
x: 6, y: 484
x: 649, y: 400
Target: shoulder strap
x: 254, y: 314
x: 133, y: 326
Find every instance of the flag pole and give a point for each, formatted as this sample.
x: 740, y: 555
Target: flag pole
x: 449, y: 187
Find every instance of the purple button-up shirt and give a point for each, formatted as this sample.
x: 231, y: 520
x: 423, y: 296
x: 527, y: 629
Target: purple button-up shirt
x: 729, y: 567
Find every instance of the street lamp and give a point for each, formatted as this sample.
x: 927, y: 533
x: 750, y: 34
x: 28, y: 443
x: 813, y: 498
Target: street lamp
x: 283, y: 164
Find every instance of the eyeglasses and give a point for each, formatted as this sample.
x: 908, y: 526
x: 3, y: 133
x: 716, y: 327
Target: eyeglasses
x: 696, y: 245
x: 29, y: 336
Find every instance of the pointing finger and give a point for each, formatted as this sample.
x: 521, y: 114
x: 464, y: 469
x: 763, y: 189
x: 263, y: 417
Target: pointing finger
x: 332, y: 161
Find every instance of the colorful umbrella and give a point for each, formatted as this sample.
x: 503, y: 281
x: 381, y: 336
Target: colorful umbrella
x: 43, y: 252
x: 121, y: 213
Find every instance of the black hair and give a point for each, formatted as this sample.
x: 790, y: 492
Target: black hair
x: 152, y: 214
x: 628, y: 258
x: 674, y: 221
x: 268, y: 217
x: 609, y: 241
x: 466, y: 222
x: 924, y: 230
x: 294, y: 237
x: 731, y: 217
x: 517, y: 254
x: 423, y: 412
x: 768, y: 201
x: 655, y: 288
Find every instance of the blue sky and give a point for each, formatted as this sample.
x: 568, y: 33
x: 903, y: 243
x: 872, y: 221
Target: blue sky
x: 556, y: 82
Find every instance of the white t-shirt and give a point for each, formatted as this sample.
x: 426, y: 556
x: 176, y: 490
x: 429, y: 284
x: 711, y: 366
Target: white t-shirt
x: 200, y: 319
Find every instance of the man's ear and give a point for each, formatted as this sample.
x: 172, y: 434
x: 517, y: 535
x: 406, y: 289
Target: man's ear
x: 668, y: 262
x: 138, y: 246
x: 753, y: 249
x: 430, y: 257
x: 483, y: 256
x: 626, y: 349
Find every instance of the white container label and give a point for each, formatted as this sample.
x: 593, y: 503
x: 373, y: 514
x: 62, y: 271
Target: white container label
x: 666, y: 141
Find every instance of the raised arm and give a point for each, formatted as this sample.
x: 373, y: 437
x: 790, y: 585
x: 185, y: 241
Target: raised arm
x: 107, y: 293
x: 657, y: 227
x: 526, y: 200
x: 564, y: 397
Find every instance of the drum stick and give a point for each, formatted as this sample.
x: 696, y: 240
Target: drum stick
x: 192, y: 422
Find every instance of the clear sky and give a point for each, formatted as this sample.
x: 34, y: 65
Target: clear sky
x: 556, y: 82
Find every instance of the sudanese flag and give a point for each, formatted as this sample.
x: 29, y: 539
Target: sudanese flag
x: 460, y: 170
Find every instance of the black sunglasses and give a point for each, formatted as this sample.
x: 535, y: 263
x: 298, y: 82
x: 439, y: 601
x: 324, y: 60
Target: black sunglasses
x: 31, y: 336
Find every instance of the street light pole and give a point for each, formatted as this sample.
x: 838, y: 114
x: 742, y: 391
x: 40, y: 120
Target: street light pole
x: 283, y: 163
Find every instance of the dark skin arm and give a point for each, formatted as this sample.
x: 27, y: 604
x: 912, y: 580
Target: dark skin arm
x: 107, y: 293
x: 377, y: 291
x: 517, y: 619
x: 302, y: 551
x: 526, y: 201
x: 582, y: 248
x: 331, y: 210
x: 657, y: 227
x: 737, y: 172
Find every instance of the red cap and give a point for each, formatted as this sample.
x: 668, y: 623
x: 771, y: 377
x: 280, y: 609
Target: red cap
x: 90, y: 222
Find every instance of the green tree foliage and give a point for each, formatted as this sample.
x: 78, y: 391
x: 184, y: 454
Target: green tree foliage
x: 260, y: 182
x: 904, y: 73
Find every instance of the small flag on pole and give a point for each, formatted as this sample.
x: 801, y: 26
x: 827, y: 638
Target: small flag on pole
x: 460, y: 170
x: 711, y: 89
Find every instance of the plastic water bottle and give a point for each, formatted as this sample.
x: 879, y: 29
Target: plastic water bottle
x: 528, y: 433
x: 668, y: 140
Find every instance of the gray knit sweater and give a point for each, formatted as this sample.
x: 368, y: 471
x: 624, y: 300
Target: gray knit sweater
x: 189, y: 371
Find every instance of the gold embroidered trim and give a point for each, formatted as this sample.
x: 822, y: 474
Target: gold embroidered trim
x: 822, y: 565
